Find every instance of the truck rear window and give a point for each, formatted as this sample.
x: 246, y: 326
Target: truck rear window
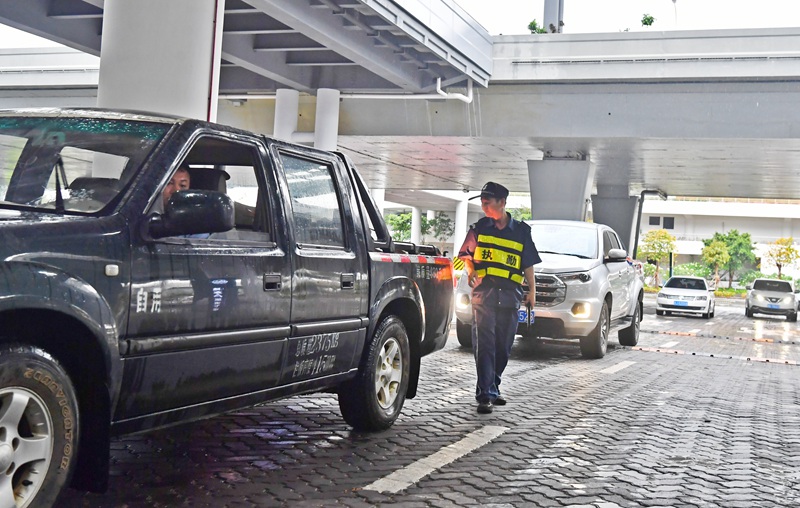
x: 70, y: 165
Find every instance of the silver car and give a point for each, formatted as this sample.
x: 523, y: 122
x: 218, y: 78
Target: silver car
x: 686, y: 294
x: 586, y: 288
x: 771, y: 296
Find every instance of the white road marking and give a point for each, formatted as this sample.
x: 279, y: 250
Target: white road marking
x: 669, y: 344
x: 411, y: 474
x: 616, y: 368
x: 695, y: 330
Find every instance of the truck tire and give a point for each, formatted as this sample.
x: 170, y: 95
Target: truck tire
x: 38, y: 427
x: 374, y: 398
x: 595, y: 344
x: 464, y: 333
x: 630, y: 336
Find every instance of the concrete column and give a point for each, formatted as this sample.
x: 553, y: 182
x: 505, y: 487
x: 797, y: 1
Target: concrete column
x: 613, y: 207
x: 379, y: 196
x: 416, y: 225
x: 553, y: 15
x: 461, y: 225
x: 161, y: 56
x: 287, y: 107
x: 560, y: 188
x: 326, y: 124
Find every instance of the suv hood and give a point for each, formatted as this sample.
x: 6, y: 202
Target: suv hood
x: 560, y: 263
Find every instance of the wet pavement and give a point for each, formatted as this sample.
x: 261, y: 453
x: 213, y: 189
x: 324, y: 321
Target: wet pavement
x: 701, y: 413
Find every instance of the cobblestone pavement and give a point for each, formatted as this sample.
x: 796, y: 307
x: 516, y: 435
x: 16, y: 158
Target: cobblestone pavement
x: 702, y: 413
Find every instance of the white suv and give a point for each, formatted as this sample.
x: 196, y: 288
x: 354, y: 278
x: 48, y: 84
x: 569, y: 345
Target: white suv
x: 586, y: 287
x: 771, y: 296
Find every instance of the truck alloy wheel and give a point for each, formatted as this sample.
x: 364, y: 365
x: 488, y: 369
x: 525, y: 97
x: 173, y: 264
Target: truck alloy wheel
x: 464, y: 333
x: 38, y: 427
x: 630, y: 336
x: 594, y: 345
x: 373, y: 400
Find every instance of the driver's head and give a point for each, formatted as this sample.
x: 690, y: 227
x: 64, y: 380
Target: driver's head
x: 179, y: 181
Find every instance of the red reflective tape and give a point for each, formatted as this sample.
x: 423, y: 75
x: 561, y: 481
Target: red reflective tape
x: 405, y: 259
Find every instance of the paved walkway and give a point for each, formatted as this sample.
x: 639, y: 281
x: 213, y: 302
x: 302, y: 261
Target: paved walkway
x: 694, y: 416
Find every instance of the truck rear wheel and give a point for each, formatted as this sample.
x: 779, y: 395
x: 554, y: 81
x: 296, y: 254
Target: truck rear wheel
x: 464, y: 333
x: 38, y: 427
x: 373, y: 400
x: 595, y: 344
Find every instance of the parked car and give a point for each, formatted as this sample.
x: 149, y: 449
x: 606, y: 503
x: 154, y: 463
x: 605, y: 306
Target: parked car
x: 117, y: 318
x: 771, y: 296
x: 686, y: 294
x: 586, y: 288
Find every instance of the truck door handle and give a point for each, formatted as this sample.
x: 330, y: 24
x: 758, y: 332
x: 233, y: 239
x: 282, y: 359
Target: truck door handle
x: 272, y: 282
x: 348, y: 280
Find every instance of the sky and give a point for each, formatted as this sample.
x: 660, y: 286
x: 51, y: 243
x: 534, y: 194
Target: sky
x: 511, y: 17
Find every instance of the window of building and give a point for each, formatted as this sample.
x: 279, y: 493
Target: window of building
x: 655, y: 220
x: 669, y: 222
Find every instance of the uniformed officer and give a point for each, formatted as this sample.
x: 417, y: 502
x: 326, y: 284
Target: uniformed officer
x: 498, y: 255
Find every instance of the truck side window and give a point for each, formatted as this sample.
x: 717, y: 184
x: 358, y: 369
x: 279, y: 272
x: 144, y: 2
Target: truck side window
x: 315, y: 203
x: 231, y: 168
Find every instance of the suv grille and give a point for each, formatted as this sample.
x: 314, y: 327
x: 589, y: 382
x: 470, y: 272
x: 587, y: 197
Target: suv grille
x: 550, y: 290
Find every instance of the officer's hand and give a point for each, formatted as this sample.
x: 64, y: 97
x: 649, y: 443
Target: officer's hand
x: 474, y: 281
x: 530, y: 299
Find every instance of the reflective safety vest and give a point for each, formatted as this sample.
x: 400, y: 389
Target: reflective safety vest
x: 499, y: 257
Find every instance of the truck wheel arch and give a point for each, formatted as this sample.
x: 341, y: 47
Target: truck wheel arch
x: 400, y: 296
x: 84, y: 353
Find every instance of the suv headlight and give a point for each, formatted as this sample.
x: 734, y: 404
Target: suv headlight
x: 575, y: 277
x: 788, y: 299
x: 462, y: 302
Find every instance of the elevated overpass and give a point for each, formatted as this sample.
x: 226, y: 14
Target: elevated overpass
x: 702, y: 113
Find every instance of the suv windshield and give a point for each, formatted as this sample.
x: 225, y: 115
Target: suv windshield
x: 70, y: 164
x: 569, y: 240
x: 772, y: 285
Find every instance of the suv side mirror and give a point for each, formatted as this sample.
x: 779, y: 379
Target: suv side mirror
x: 194, y: 211
x: 749, y: 287
x: 616, y: 255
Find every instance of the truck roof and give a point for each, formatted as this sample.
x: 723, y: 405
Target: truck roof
x: 113, y: 114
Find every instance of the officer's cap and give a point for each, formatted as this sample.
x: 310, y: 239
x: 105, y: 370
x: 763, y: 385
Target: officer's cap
x: 493, y: 190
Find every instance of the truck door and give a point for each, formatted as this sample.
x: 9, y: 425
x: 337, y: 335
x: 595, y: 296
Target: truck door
x: 330, y: 279
x: 209, y: 317
x: 618, y: 277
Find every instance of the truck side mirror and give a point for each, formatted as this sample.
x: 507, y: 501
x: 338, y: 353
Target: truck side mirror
x: 194, y: 211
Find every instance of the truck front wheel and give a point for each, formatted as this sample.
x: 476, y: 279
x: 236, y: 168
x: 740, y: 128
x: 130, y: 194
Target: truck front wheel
x: 595, y: 344
x: 38, y: 427
x: 464, y: 333
x: 373, y: 400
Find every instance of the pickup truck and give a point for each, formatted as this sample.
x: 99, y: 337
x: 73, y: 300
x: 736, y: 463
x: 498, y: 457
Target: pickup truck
x: 272, y: 275
x: 586, y: 288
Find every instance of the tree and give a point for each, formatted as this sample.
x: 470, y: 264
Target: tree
x: 783, y: 253
x: 740, y: 249
x: 648, y: 20
x: 523, y: 213
x: 400, y: 224
x: 441, y: 227
x: 534, y: 27
x: 715, y: 254
x: 656, y: 246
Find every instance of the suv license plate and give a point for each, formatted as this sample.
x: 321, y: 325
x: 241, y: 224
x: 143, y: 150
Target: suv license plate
x: 773, y: 306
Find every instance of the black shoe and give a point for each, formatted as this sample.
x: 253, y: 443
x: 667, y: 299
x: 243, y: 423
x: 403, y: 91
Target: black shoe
x: 485, y: 408
x: 499, y: 401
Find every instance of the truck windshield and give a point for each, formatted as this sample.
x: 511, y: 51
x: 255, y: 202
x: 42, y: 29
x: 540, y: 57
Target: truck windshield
x: 70, y: 165
x: 571, y: 241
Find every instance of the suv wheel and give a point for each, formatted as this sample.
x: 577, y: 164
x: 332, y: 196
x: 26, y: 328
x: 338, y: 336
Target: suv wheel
x: 630, y: 336
x: 464, y: 333
x: 793, y: 317
x: 374, y: 398
x: 748, y: 312
x: 595, y: 344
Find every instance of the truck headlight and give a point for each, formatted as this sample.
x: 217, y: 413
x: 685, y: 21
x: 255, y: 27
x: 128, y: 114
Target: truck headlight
x: 575, y: 277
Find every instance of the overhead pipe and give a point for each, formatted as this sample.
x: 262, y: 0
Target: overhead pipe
x: 440, y: 94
